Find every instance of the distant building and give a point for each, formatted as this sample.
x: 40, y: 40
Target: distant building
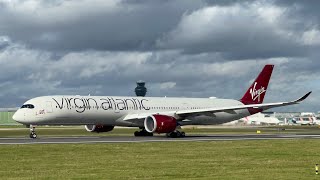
x: 256, y: 119
x: 297, y: 118
x: 141, y: 90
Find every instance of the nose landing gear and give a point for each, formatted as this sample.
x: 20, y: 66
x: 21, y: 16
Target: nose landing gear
x: 33, y: 134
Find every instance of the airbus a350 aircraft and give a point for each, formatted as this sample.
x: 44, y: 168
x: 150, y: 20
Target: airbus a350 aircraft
x: 150, y: 114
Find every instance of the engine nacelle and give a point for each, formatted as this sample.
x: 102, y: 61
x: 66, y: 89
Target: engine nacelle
x: 98, y: 128
x: 160, y: 124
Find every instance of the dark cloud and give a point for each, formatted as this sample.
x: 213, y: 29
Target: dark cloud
x: 75, y: 26
x: 4, y: 42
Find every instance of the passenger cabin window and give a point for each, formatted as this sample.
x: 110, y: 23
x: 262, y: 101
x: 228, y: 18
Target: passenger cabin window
x: 29, y: 106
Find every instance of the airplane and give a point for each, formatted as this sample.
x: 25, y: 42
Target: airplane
x: 151, y: 114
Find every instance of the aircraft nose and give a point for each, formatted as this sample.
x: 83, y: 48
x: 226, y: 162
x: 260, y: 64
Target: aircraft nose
x: 17, y: 116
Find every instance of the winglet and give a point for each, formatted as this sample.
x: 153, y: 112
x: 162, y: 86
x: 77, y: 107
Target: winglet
x: 303, y: 97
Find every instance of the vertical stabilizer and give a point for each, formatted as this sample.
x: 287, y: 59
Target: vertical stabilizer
x: 255, y: 94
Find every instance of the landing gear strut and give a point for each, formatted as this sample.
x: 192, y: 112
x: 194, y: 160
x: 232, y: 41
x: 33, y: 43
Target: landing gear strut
x: 33, y: 134
x: 143, y: 132
x: 176, y: 134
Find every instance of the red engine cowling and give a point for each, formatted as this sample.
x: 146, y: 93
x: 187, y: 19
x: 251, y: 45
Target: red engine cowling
x: 98, y: 128
x: 160, y: 124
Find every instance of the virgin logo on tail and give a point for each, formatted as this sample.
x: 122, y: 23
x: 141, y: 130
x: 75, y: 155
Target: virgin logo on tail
x: 256, y: 93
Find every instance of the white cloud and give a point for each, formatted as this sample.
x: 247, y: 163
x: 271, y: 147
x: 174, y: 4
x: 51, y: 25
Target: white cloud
x: 311, y: 37
x: 220, y: 20
x: 240, y: 31
x: 167, y: 85
x: 268, y: 12
x: 4, y: 39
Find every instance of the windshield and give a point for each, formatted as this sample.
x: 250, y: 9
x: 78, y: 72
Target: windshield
x: 29, y: 106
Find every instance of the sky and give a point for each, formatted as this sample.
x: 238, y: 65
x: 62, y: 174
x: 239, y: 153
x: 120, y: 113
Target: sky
x: 181, y: 48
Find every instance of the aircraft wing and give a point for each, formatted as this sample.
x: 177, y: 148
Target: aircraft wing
x: 138, y: 118
x: 230, y: 109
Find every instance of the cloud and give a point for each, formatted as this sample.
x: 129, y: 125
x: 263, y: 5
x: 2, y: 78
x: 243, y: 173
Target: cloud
x: 4, y: 42
x: 97, y: 25
x: 240, y: 31
x: 167, y: 85
x: 311, y: 37
x: 180, y: 48
x: 27, y: 73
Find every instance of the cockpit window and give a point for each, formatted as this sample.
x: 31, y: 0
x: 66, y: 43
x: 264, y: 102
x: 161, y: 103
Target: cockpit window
x: 29, y: 106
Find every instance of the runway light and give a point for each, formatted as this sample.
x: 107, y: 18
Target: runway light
x: 317, y: 168
x: 258, y: 132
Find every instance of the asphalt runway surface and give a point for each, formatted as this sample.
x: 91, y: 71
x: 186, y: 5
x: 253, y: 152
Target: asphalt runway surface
x: 132, y: 139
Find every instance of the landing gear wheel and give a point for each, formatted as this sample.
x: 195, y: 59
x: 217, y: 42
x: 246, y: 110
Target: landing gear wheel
x: 33, y: 135
x: 173, y: 135
x: 183, y: 134
x: 142, y: 133
x: 176, y: 134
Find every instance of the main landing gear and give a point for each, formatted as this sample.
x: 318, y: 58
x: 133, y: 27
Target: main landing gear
x: 33, y: 134
x: 176, y: 134
x: 143, y: 132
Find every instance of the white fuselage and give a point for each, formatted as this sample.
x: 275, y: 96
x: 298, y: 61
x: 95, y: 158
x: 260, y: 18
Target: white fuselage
x: 111, y: 110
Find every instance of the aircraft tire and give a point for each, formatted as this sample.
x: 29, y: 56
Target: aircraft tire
x: 33, y: 135
x: 183, y: 134
x: 137, y: 133
x: 173, y: 135
x: 177, y: 134
x: 142, y: 133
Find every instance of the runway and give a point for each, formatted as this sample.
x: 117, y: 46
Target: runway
x: 132, y: 139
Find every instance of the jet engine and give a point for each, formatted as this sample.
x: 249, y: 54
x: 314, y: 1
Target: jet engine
x: 98, y: 128
x: 160, y: 124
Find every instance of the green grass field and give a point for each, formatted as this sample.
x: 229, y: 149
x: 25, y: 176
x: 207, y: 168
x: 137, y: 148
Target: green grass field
x: 251, y: 159
x: 263, y: 159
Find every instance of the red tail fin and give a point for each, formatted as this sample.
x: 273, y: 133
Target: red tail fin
x: 258, y: 89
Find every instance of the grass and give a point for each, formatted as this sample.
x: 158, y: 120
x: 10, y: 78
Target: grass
x: 255, y: 159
